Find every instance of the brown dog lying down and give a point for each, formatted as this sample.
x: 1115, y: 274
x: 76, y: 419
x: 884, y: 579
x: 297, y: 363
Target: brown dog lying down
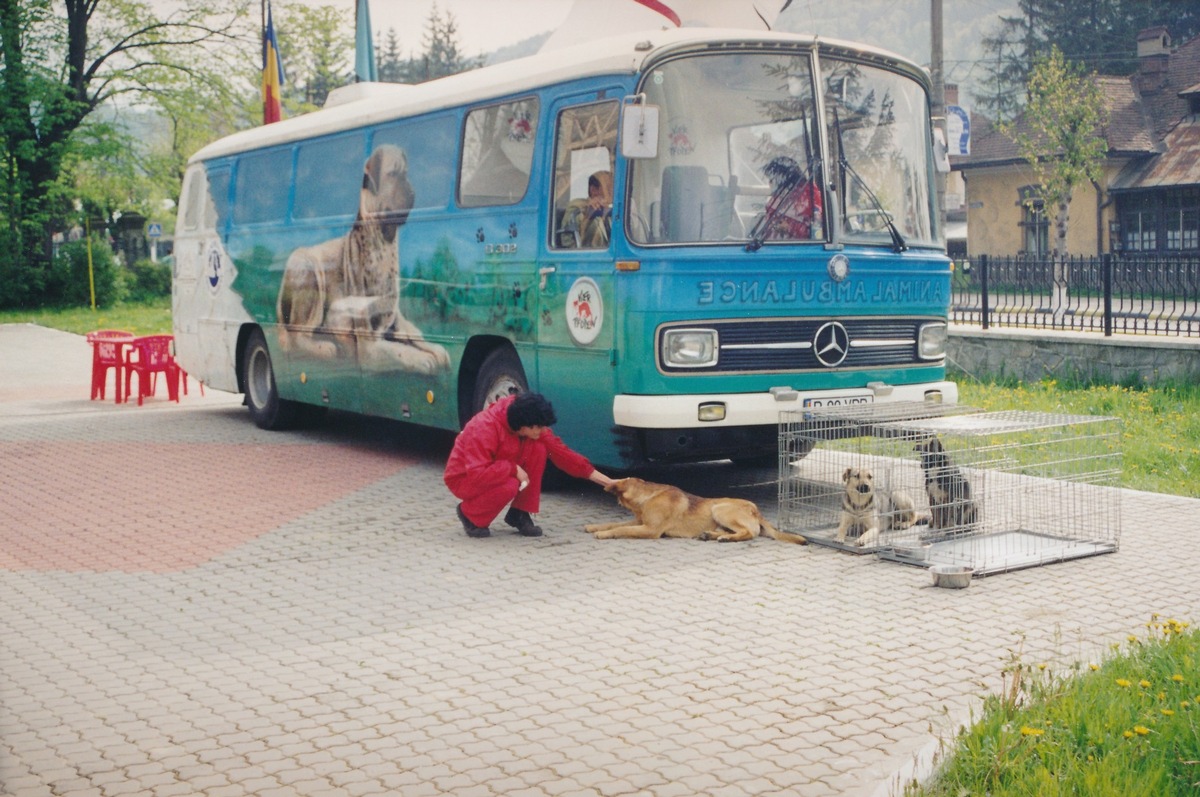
x: 665, y: 511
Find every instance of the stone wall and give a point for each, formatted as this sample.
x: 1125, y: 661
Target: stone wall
x: 1034, y: 354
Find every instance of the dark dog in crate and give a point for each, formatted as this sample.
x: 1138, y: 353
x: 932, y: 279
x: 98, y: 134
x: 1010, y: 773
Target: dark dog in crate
x: 952, y: 509
x: 869, y: 511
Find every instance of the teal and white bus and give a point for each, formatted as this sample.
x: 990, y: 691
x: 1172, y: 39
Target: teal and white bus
x: 674, y: 235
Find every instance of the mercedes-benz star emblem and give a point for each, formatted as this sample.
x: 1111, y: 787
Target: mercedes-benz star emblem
x: 831, y: 344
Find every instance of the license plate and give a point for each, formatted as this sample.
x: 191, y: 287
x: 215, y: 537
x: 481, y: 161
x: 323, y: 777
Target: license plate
x: 839, y: 401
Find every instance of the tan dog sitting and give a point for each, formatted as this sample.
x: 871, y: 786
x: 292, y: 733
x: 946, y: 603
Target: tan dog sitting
x: 348, y: 287
x: 869, y: 511
x: 661, y: 510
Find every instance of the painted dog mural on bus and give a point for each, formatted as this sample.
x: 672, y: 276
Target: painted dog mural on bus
x: 348, y: 287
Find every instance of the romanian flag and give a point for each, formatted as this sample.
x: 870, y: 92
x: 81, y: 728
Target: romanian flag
x: 272, y: 72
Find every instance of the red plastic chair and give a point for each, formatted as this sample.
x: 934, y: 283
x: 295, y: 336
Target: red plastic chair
x: 183, y: 375
x: 108, y: 352
x: 148, y: 357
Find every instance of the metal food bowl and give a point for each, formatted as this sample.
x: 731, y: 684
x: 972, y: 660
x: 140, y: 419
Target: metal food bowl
x: 951, y: 576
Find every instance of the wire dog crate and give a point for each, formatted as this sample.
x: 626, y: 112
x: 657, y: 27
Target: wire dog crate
x: 952, y: 485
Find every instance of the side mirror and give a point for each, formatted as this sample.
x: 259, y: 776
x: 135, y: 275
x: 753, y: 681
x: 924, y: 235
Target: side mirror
x: 639, y: 130
x: 941, y: 152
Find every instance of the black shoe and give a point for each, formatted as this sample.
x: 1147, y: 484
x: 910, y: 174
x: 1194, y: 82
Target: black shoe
x: 470, y: 528
x: 520, y: 520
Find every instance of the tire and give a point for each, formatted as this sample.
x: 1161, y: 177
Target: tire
x: 258, y: 376
x: 500, y: 375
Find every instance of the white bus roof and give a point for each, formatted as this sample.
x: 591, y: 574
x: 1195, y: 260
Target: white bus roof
x: 369, y: 104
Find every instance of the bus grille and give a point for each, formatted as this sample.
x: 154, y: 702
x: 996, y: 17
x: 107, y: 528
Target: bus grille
x: 791, y: 344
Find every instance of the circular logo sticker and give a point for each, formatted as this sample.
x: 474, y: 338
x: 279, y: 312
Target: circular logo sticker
x: 212, y: 268
x: 838, y: 267
x: 585, y: 310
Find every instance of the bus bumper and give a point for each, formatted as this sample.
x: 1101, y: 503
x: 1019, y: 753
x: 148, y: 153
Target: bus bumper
x: 739, y: 425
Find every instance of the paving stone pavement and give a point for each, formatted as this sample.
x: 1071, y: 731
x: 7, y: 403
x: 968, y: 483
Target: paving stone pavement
x: 191, y: 606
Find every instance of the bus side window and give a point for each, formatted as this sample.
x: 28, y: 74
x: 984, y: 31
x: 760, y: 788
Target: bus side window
x: 194, y: 199
x: 329, y: 177
x: 585, y: 140
x: 430, y: 146
x: 497, y: 154
x: 261, y: 186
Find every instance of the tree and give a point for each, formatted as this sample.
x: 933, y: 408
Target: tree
x: 1003, y: 85
x: 392, y: 68
x: 314, y: 41
x: 56, y: 72
x: 442, y: 56
x: 1099, y: 34
x: 1061, y: 136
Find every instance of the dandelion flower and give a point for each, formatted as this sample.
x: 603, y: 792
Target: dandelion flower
x: 1144, y: 683
x: 1141, y: 730
x: 1128, y: 734
x: 1027, y: 731
x: 1177, y: 678
x: 1121, y: 682
x: 1094, y: 667
x: 1166, y: 712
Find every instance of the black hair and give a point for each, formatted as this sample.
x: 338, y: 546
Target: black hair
x: 784, y: 171
x: 530, y: 409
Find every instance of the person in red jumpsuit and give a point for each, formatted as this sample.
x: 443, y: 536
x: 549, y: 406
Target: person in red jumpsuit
x: 793, y: 212
x: 499, y: 458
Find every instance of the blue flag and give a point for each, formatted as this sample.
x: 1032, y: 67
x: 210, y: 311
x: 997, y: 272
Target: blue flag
x: 364, y: 47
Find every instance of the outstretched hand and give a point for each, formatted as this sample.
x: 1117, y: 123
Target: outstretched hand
x: 600, y: 479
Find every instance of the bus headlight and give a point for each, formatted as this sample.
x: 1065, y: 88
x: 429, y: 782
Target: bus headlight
x: 931, y: 341
x: 689, y: 348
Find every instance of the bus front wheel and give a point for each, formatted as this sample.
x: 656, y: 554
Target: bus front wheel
x: 258, y: 376
x: 500, y: 375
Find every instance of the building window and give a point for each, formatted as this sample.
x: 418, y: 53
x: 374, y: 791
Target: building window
x: 1181, y: 220
x: 1139, y: 228
x: 1035, y: 223
x: 1161, y: 221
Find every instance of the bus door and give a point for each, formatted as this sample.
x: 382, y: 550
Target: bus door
x: 495, y: 238
x: 577, y: 307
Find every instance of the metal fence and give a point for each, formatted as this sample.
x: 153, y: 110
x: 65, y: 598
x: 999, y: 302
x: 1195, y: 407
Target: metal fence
x: 1108, y: 294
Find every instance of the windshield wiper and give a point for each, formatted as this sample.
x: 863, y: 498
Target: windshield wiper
x: 898, y: 243
x: 770, y: 211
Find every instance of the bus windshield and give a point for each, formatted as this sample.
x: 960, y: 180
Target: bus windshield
x: 741, y: 158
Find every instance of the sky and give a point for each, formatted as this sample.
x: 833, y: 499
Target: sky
x: 483, y: 25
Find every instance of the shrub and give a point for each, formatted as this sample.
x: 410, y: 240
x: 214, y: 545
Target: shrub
x: 22, y: 279
x: 148, y: 280
x: 68, y: 284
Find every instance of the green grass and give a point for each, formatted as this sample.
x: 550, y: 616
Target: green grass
x: 150, y: 318
x: 1160, y: 425
x: 1125, y: 727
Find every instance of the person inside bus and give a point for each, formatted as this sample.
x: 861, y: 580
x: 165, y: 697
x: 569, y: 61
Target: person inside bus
x: 498, y: 460
x: 589, y: 221
x: 793, y: 211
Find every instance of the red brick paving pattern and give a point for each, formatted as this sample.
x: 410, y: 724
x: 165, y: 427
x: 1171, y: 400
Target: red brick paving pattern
x: 110, y: 510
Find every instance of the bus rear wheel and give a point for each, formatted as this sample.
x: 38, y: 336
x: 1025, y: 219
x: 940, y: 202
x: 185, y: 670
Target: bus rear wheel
x: 500, y: 375
x: 258, y: 376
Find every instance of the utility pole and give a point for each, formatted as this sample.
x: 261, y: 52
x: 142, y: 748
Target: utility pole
x: 938, y: 101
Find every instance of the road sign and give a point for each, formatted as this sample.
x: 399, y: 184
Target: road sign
x: 154, y: 230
